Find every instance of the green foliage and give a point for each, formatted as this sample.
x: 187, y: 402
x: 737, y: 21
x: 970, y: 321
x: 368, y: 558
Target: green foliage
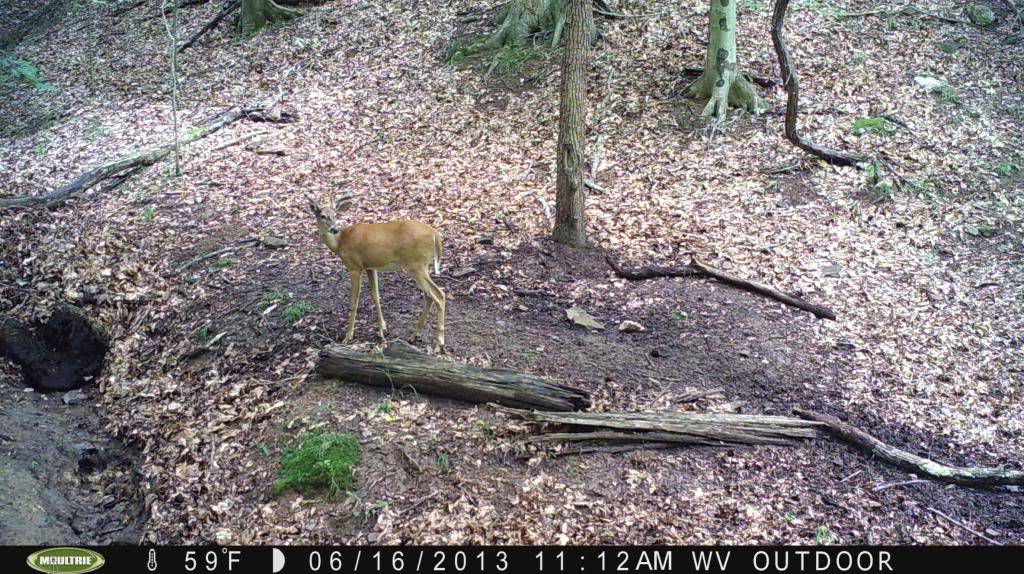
x: 950, y: 47
x: 680, y: 315
x: 947, y: 95
x: 882, y: 188
x: 880, y: 126
x: 465, y: 49
x: 96, y: 130
x: 789, y: 517
x: 385, y: 407
x: 505, y: 59
x: 18, y: 71
x: 1008, y: 168
x: 271, y: 297
x: 203, y: 335
x: 292, y: 313
x: 147, y: 214
x: 224, y: 262
x: 320, y: 460
x: 510, y: 58
x: 442, y: 463
x: 41, y: 149
x: 824, y: 536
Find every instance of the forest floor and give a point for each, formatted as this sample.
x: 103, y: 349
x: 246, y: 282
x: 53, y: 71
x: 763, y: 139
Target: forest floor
x: 209, y: 377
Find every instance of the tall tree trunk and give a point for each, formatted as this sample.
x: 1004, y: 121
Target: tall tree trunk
x: 570, y: 220
x: 256, y: 14
x: 721, y: 82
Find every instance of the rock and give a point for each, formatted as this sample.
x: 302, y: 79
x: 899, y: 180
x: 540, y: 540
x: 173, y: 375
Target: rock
x: 631, y: 327
x: 272, y: 242
x: 930, y: 84
x: 74, y: 397
x: 583, y: 319
x: 833, y: 270
x: 980, y: 15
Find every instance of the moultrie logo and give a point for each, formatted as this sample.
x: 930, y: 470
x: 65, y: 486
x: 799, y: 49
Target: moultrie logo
x: 65, y: 560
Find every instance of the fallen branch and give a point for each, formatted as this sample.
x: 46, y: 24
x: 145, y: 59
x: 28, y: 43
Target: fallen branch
x: 229, y: 7
x: 763, y: 81
x: 697, y: 268
x: 669, y: 427
x: 789, y: 80
x: 200, y: 258
x: 402, y: 365
x: 133, y: 161
x: 965, y: 476
x: 953, y: 521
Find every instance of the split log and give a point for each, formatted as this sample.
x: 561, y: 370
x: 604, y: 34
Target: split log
x: 792, y: 86
x: 671, y: 427
x: 132, y: 161
x: 61, y: 354
x: 402, y: 366
x: 697, y: 268
x: 965, y: 476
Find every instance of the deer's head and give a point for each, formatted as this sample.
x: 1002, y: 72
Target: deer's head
x: 327, y: 213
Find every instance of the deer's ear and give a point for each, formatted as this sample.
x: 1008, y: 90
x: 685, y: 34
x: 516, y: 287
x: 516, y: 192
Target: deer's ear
x: 343, y: 204
x: 313, y: 206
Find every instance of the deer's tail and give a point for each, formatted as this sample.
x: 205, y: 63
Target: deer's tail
x: 437, y: 252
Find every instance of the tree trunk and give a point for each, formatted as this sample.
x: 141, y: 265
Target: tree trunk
x: 257, y: 14
x: 570, y: 220
x: 517, y: 20
x: 721, y: 81
x: 403, y: 366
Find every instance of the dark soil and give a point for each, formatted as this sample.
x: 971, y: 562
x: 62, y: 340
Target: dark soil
x: 64, y: 479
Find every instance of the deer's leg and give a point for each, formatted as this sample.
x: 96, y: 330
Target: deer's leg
x: 357, y: 283
x: 435, y: 297
x: 427, y: 304
x: 382, y: 327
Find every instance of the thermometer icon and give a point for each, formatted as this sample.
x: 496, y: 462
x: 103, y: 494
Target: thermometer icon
x: 151, y: 564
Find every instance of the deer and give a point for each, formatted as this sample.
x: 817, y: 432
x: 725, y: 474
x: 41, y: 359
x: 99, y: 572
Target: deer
x: 401, y: 245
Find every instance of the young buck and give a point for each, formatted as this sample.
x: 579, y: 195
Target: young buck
x: 405, y: 245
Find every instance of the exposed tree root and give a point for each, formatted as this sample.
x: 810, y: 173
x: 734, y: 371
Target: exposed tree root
x: 789, y: 80
x: 965, y: 476
x: 119, y: 166
x: 697, y: 268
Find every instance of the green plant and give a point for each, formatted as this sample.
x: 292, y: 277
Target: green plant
x: 509, y: 57
x: 789, y: 517
x: 224, y: 262
x: 824, y: 536
x: 296, y: 311
x: 41, y: 148
x: 484, y: 428
x: 96, y: 130
x: 385, y: 407
x: 442, y: 463
x: 1008, y: 168
x: 873, y: 125
x: 271, y: 297
x: 947, y: 95
x: 882, y: 188
x: 22, y: 71
x: 203, y: 335
x: 465, y: 49
x: 320, y: 460
x: 147, y: 213
x: 679, y: 315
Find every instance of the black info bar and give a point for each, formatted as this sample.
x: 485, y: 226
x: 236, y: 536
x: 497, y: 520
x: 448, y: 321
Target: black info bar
x: 510, y: 559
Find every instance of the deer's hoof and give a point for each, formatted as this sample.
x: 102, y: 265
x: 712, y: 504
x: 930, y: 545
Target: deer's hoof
x: 439, y: 349
x: 346, y: 340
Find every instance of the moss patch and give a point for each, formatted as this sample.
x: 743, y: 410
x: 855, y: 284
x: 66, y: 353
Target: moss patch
x: 320, y: 460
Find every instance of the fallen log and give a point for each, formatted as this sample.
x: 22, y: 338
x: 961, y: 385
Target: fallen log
x: 132, y: 161
x: 403, y: 366
x: 965, y: 476
x: 696, y: 268
x: 669, y: 427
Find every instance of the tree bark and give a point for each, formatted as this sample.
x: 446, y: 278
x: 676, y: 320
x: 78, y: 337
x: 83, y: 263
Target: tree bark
x: 517, y: 20
x: 792, y: 85
x: 403, y: 366
x: 721, y: 83
x: 257, y: 14
x: 570, y: 219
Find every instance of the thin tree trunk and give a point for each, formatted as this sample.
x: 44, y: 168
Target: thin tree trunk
x: 172, y: 36
x: 721, y: 81
x: 570, y: 220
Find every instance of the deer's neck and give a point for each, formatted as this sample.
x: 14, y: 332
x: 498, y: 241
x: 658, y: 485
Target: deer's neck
x: 332, y: 240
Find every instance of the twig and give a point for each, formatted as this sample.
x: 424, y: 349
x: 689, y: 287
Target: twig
x: 229, y: 7
x: 697, y: 268
x: 789, y: 80
x: 965, y: 476
x: 900, y: 483
x: 964, y: 526
x: 200, y: 258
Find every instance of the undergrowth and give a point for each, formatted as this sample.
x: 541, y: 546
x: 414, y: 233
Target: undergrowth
x: 320, y: 460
